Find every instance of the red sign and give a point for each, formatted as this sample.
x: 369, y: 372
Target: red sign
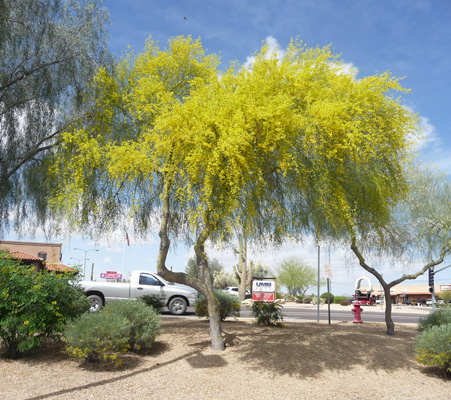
x: 263, y: 296
x: 111, y: 275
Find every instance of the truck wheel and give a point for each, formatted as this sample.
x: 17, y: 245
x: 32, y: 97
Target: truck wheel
x: 177, y: 306
x: 96, y: 302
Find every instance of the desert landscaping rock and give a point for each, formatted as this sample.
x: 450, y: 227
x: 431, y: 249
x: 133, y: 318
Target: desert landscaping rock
x: 304, y: 360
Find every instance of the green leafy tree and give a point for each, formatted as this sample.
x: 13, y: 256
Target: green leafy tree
x: 193, y: 270
x: 34, y: 305
x: 49, y: 51
x: 222, y: 279
x: 261, y: 270
x: 446, y: 296
x: 296, y: 276
x: 420, y: 228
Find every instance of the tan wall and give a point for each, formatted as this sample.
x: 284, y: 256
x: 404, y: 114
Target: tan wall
x: 53, y: 250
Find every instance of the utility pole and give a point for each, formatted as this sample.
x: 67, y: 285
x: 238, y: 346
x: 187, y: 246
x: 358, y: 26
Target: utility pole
x: 318, y: 298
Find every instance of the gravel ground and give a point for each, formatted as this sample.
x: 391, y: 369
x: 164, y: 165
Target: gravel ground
x: 305, y: 360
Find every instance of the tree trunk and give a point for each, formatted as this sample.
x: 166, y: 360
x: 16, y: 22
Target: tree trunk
x: 203, y: 286
x: 243, y: 265
x: 388, y: 319
x: 217, y: 341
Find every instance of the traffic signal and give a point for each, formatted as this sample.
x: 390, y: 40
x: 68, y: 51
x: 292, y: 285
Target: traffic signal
x: 431, y: 277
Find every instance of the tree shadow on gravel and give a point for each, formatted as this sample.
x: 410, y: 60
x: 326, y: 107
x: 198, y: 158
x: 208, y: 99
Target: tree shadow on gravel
x: 307, y: 349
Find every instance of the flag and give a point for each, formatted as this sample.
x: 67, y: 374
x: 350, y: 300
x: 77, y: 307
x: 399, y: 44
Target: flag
x: 126, y: 237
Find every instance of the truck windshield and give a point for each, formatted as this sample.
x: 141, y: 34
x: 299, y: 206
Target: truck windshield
x: 165, y: 281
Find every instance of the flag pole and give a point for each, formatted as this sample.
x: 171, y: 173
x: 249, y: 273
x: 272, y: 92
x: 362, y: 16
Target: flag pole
x: 123, y: 255
x: 123, y: 262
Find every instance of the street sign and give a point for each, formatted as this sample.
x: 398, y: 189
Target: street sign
x: 328, y: 271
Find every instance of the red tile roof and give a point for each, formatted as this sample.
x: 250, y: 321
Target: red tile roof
x: 59, y: 267
x: 25, y: 256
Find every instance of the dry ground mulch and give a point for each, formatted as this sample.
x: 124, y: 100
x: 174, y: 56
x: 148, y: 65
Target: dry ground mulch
x: 305, y: 360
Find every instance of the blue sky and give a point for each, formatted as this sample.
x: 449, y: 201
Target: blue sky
x: 411, y: 38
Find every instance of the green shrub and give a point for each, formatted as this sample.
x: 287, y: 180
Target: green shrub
x: 440, y: 317
x: 331, y: 298
x: 34, y: 305
x: 433, y: 347
x: 307, y: 299
x: 279, y: 296
x: 229, y: 305
x: 98, y: 335
x: 144, y: 322
x: 119, y: 327
x: 267, y: 314
x: 346, y: 302
x: 338, y: 299
x: 153, y: 300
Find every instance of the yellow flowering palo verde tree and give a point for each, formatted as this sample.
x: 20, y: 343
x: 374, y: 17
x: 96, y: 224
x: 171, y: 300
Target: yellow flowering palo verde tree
x: 286, y: 147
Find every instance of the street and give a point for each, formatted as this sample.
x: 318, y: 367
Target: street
x: 408, y: 315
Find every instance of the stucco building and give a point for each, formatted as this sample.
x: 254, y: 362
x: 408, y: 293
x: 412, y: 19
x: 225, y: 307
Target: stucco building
x: 41, y: 255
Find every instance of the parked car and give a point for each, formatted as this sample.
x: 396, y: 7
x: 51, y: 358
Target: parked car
x: 234, y: 290
x: 177, y: 297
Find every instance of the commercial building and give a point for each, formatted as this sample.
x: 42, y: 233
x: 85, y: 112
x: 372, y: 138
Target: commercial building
x: 401, y: 294
x: 44, y: 256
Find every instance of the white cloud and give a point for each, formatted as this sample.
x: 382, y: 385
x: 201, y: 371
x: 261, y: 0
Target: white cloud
x: 273, y: 50
x: 430, y: 138
x: 107, y: 260
x: 347, y: 69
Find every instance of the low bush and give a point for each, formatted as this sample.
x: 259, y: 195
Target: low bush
x: 315, y: 300
x: 144, y: 322
x: 307, y: 299
x: 153, y: 300
x: 433, y: 347
x: 345, y: 302
x: 324, y: 297
x: 267, y: 314
x: 119, y: 327
x: 440, y: 317
x: 98, y: 335
x: 338, y: 299
x: 299, y: 301
x: 34, y: 305
x: 229, y: 305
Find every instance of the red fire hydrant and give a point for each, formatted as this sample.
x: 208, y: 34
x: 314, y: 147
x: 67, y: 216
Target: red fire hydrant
x: 357, y: 310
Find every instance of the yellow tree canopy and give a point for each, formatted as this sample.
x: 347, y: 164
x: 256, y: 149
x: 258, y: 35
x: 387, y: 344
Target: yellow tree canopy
x: 287, y: 146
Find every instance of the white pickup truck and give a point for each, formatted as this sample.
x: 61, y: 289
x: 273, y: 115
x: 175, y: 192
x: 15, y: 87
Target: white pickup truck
x: 177, y: 297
